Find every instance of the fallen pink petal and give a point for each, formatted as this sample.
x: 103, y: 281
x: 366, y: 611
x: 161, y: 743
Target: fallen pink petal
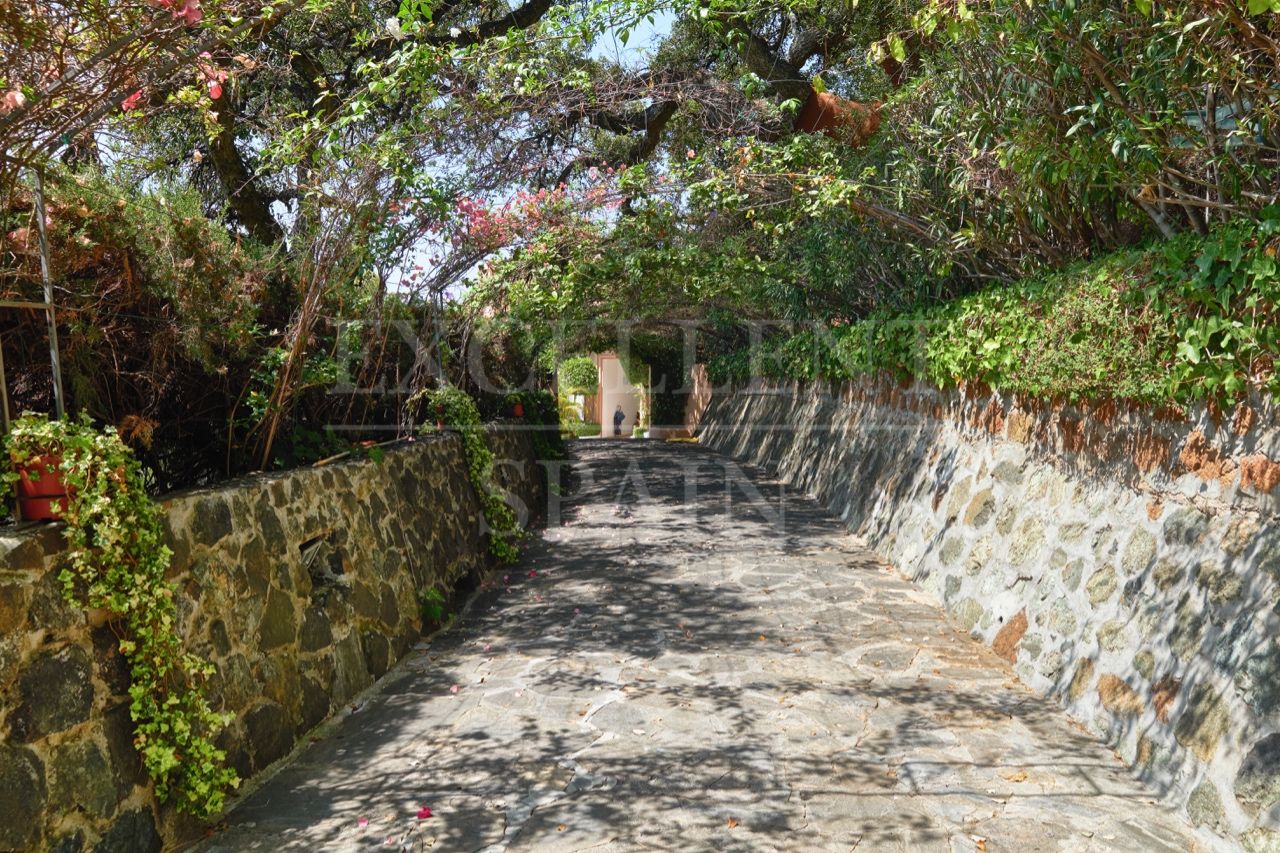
x: 424, y: 813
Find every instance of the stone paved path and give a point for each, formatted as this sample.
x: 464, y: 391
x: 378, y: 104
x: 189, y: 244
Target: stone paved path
x: 670, y: 671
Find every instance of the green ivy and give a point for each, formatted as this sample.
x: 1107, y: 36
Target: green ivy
x: 1192, y: 319
x: 117, y: 561
x: 457, y: 411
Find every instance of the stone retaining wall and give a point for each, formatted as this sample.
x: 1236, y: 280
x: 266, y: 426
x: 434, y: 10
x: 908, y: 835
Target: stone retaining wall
x: 301, y: 587
x: 1124, y: 562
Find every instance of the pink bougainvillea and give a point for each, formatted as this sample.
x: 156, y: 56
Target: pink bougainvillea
x: 212, y: 75
x: 187, y: 11
x: 12, y: 100
x: 132, y: 102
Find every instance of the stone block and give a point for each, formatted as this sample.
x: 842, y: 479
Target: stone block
x: 317, y: 633
x: 1221, y: 584
x: 1027, y: 542
x: 109, y: 663
x: 1081, y: 680
x: 1138, y: 553
x: 389, y: 610
x: 1101, y: 585
x: 22, y: 798
x: 1187, y: 632
x: 1118, y: 697
x: 55, y: 693
x: 979, y: 557
x: 1007, y: 639
x: 377, y: 652
x: 80, y: 776
x: 1258, y: 680
x: 1260, y: 839
x: 1186, y: 526
x: 968, y: 613
x: 133, y: 832
x: 366, y: 602
x: 981, y: 509
x: 314, y: 705
x: 350, y: 673
x: 1203, y: 723
x: 14, y: 598
x: 126, y: 764
x: 270, y: 734
x: 1062, y: 618
x: 49, y: 609
x: 279, y: 625
x: 1166, y: 574
x: 1204, y: 807
x: 210, y: 521
x: 1257, y: 784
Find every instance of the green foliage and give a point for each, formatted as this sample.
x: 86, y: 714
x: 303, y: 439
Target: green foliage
x: 667, y: 375
x: 174, y: 254
x: 579, y: 375
x: 542, y: 412
x: 1192, y: 319
x: 455, y: 408
x: 117, y: 561
x: 570, y: 411
x: 432, y: 604
x: 581, y: 429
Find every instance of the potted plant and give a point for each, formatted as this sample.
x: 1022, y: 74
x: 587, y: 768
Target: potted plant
x: 36, y: 446
x: 114, y: 567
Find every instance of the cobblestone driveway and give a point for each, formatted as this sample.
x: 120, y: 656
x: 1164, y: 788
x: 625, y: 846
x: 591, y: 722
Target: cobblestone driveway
x: 693, y: 661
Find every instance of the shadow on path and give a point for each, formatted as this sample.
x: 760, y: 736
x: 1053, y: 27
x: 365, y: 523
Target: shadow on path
x: 694, y: 660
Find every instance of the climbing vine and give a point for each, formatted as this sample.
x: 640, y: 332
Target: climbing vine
x: 117, y: 562
x: 456, y: 410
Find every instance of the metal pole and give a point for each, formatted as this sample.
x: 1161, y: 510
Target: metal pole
x: 59, y: 402
x: 4, y: 392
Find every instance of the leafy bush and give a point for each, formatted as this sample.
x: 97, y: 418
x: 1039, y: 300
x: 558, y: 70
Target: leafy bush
x: 667, y: 375
x: 1191, y: 319
x: 582, y: 429
x: 579, y: 376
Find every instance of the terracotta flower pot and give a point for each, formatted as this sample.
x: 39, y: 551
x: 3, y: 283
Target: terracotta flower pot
x: 41, y: 488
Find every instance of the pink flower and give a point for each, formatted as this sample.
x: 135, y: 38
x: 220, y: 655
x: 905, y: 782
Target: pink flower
x: 215, y: 90
x: 424, y: 813
x: 454, y: 689
x: 12, y: 100
x: 362, y: 822
x: 189, y: 12
x: 690, y: 154
x: 132, y: 102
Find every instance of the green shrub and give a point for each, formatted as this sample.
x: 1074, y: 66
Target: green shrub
x: 579, y: 376
x: 1192, y: 319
